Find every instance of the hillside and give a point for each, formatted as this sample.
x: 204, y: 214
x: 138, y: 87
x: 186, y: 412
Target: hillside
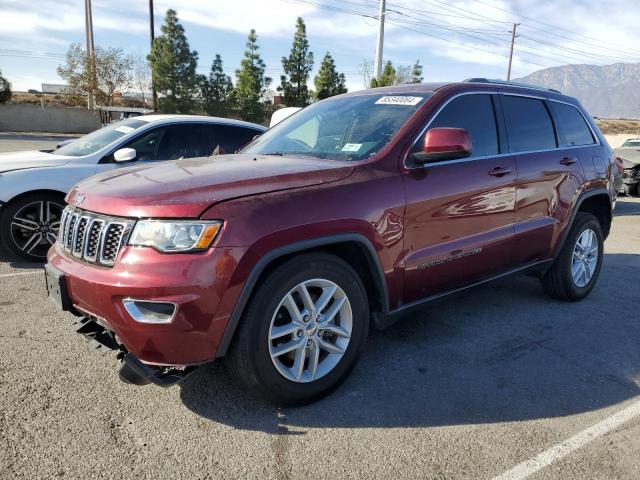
x: 610, y: 91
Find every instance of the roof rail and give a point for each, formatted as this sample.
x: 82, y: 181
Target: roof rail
x: 515, y: 84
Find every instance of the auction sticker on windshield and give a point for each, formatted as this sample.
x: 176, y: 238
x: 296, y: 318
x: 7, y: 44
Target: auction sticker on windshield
x: 351, y: 147
x: 399, y: 100
x: 124, y: 129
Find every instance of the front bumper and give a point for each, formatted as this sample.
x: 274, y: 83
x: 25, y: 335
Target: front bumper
x: 631, y: 176
x: 194, y: 282
x: 131, y: 370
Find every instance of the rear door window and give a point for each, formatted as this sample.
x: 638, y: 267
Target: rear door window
x: 572, y: 127
x: 529, y: 125
x: 186, y: 140
x: 475, y: 114
x: 231, y: 138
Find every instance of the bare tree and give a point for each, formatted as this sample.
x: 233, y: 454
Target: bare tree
x: 142, y: 77
x: 107, y: 74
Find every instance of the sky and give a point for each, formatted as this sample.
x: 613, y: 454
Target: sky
x: 453, y: 40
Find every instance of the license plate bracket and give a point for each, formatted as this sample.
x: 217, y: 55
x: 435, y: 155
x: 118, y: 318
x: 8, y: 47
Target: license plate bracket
x: 57, y: 291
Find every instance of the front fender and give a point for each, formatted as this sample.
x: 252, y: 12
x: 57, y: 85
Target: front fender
x: 59, y: 179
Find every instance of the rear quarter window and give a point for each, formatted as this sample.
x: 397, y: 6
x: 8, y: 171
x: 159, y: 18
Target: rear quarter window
x: 572, y: 127
x: 529, y: 124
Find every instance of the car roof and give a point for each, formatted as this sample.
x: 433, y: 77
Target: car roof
x: 466, y: 85
x: 175, y: 118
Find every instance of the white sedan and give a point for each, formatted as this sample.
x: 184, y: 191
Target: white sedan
x: 33, y: 184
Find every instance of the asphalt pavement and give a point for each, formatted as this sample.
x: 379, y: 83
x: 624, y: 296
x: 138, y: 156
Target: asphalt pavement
x: 501, y: 377
x: 16, y: 141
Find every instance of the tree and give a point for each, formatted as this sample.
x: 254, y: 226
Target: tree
x: 251, y: 84
x: 328, y: 82
x: 416, y: 72
x: 174, y: 66
x: 217, y: 90
x: 403, y: 74
x: 387, y: 78
x: 106, y: 74
x: 142, y: 77
x: 5, y: 89
x: 297, y: 67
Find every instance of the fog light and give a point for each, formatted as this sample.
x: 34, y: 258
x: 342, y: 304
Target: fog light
x: 144, y: 311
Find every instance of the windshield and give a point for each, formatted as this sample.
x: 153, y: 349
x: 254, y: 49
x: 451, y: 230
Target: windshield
x: 631, y: 143
x: 100, y: 138
x: 347, y: 128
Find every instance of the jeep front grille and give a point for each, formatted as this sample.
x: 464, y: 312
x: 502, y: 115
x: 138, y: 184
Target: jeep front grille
x: 93, y: 237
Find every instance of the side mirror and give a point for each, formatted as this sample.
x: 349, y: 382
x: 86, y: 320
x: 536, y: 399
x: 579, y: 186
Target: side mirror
x: 125, y: 155
x: 444, y: 144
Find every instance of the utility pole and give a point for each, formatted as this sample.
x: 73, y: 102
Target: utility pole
x: 377, y: 70
x: 154, y: 94
x: 513, y: 41
x: 91, y: 53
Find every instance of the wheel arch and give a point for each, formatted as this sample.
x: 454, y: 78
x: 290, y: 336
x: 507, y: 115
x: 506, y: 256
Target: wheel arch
x: 48, y: 191
x: 354, y: 248
x: 597, y: 202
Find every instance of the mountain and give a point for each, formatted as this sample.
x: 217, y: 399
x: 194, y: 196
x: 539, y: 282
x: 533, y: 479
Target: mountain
x: 609, y: 91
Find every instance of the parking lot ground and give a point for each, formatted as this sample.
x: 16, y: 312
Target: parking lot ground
x: 16, y: 141
x: 468, y: 388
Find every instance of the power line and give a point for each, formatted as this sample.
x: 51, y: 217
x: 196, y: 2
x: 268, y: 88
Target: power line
x: 555, y: 27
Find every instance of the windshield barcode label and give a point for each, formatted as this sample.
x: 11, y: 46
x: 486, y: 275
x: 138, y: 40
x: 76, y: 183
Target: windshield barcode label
x: 399, y: 100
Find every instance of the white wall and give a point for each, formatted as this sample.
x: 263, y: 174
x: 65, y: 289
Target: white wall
x: 22, y: 117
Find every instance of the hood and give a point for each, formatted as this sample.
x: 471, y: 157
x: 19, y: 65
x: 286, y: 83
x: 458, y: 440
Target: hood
x: 30, y: 159
x: 630, y: 156
x: 186, y: 188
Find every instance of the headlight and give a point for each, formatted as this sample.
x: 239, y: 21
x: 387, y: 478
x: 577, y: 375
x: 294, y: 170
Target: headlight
x: 174, y: 236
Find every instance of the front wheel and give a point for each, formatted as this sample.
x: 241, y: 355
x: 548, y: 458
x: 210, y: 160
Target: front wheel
x: 29, y: 225
x: 576, y: 269
x: 302, y: 332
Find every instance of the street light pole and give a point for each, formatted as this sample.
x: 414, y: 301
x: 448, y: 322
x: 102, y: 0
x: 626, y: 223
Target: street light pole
x: 513, y: 41
x: 154, y: 94
x: 91, y: 53
x: 378, y: 63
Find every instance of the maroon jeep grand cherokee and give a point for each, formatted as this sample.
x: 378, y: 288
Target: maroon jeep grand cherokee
x: 352, y: 211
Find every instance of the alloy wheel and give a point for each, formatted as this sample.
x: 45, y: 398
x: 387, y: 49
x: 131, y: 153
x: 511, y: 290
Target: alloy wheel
x: 310, y: 330
x: 35, y: 226
x: 585, y: 258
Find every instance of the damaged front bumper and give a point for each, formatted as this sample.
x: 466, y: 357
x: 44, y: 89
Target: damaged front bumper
x: 131, y: 369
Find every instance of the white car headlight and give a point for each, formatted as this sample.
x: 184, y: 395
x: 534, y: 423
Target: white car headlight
x: 175, y: 236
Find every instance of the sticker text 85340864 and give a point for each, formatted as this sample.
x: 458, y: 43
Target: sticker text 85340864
x: 398, y: 100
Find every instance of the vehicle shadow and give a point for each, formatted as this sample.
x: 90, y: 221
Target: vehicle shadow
x: 626, y: 206
x: 502, y: 352
x: 16, y: 262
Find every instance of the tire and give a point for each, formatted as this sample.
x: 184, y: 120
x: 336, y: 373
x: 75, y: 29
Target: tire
x: 559, y: 281
x: 252, y: 358
x: 29, y: 225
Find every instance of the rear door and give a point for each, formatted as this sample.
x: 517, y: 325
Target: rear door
x: 230, y: 138
x: 548, y: 175
x: 459, y: 213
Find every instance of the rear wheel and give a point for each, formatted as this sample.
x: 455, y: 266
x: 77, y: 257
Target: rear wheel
x: 576, y: 269
x: 30, y: 224
x: 302, y: 332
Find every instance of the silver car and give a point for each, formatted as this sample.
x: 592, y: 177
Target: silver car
x: 33, y: 184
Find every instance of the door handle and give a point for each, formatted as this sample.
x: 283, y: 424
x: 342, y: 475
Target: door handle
x: 568, y: 160
x: 500, y: 172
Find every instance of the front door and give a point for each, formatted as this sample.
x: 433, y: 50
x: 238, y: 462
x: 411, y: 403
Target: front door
x: 460, y: 213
